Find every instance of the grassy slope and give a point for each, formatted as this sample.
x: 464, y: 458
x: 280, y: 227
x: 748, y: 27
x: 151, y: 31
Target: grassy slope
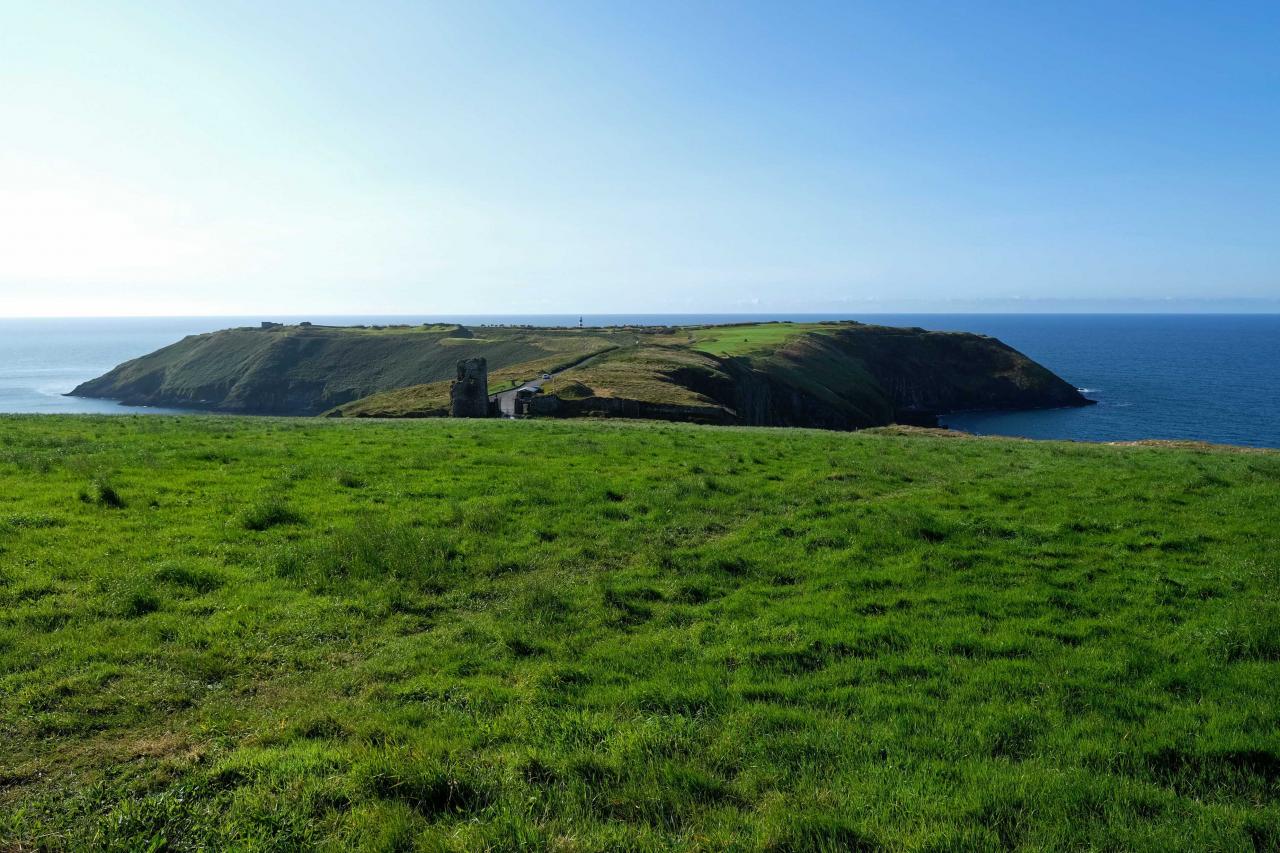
x: 657, y: 371
x: 308, y: 370
x: 640, y: 373
x: 818, y: 365
x: 429, y: 400
x: 654, y: 636
x: 868, y: 374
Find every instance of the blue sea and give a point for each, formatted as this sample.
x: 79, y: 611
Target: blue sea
x: 1211, y: 377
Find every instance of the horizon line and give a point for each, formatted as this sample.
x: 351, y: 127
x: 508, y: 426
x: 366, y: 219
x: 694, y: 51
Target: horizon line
x: 267, y: 315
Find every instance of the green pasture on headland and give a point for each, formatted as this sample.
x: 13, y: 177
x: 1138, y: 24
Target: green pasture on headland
x: 746, y: 339
x: 229, y: 633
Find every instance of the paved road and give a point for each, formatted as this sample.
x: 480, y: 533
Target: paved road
x: 507, y: 399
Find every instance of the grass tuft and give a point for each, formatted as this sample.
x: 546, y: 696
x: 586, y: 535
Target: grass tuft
x: 267, y: 513
x: 100, y: 491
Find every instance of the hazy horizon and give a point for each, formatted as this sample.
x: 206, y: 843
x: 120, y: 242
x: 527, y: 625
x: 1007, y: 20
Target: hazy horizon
x: 1047, y: 307
x: 234, y: 158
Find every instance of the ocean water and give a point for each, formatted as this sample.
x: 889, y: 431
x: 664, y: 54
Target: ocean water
x: 1210, y: 377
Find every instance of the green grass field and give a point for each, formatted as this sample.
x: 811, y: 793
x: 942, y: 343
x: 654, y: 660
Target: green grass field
x: 221, y: 633
x: 749, y: 338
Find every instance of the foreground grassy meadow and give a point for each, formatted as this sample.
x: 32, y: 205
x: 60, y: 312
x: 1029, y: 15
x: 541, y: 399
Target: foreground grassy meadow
x: 222, y: 633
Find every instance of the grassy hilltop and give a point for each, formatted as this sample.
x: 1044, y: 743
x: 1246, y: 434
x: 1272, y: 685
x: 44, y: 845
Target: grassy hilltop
x: 837, y: 375
x: 231, y: 633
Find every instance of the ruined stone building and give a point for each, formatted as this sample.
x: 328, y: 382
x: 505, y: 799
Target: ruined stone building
x: 469, y: 393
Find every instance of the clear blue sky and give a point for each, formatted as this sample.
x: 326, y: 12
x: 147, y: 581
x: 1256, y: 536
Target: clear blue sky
x: 244, y: 157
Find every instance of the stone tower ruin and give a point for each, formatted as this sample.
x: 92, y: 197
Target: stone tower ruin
x: 469, y: 393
